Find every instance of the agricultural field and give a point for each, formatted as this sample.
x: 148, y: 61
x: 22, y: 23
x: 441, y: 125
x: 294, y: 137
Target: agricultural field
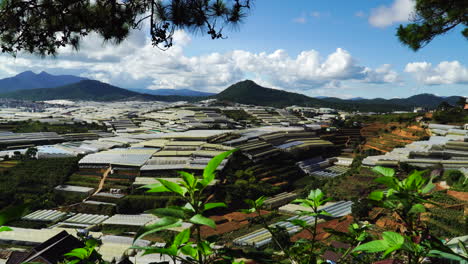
x: 384, y: 137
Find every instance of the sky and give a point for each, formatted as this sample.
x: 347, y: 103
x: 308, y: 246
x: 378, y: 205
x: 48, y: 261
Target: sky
x: 319, y: 48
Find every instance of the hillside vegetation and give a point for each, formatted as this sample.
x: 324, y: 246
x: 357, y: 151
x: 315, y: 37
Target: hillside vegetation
x: 248, y: 92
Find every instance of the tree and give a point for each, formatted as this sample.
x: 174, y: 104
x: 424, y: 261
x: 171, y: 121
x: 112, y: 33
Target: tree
x: 433, y: 18
x: 43, y: 26
x: 31, y: 153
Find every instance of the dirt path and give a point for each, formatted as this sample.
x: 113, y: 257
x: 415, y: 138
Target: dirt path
x: 103, y: 179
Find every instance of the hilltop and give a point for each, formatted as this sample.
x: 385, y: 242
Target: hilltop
x: 248, y: 92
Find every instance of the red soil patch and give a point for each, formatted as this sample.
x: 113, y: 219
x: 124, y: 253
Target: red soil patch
x: 463, y: 196
x: 340, y: 224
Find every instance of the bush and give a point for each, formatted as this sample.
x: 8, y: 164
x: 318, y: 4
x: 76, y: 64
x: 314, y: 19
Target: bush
x: 454, y: 177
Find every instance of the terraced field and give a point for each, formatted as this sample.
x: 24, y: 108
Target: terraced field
x: 384, y: 137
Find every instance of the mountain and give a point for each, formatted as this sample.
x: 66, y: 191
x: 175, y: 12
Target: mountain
x: 248, y: 92
x: 421, y: 100
x: 30, y: 80
x: 179, y: 92
x: 88, y: 90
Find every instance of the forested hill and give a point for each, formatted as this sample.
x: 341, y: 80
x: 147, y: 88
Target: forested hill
x: 422, y: 100
x: 89, y: 90
x: 248, y: 92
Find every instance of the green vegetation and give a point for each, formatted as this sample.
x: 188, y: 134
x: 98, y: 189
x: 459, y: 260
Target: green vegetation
x: 204, y: 17
x: 455, y: 115
x: 192, y: 191
x: 239, y: 115
x: 32, y: 181
x: 433, y: 18
x: 407, y: 199
x: 36, y: 126
x: 248, y: 92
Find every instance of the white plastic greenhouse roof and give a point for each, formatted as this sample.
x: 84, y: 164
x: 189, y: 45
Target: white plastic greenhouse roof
x: 127, y: 157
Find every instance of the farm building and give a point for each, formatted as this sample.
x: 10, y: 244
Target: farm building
x: 85, y: 191
x: 45, y: 216
x: 131, y: 158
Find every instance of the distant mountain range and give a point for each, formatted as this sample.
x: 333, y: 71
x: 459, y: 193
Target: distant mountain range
x: 248, y: 92
x: 44, y: 86
x: 179, y: 92
x: 30, y: 80
x: 88, y: 90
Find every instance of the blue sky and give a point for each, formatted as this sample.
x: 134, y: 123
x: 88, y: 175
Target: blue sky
x: 319, y: 48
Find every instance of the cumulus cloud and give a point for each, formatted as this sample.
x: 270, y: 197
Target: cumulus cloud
x: 400, y: 11
x: 446, y: 72
x: 137, y: 64
x: 383, y: 74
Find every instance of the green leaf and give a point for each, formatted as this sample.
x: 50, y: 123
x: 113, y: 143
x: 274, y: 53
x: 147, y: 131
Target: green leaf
x: 376, y: 195
x: 447, y: 255
x: 168, y: 212
x: 417, y: 209
x: 388, y: 181
x: 182, y: 238
x: 205, y: 248
x: 299, y: 222
x: 5, y: 228
x: 188, y: 178
x: 393, y: 239
x: 388, y: 172
x: 209, y: 171
x: 189, y: 250
x: 80, y: 253
x: 173, y: 187
x: 259, y: 202
x: 428, y: 188
x: 189, y: 207
x: 209, y: 206
x: 325, y: 213
x: 201, y: 220
x: 373, y: 246
x: 315, y: 195
x: 163, y: 224
x: 155, y: 188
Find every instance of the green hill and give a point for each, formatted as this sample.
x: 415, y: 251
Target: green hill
x: 88, y: 90
x: 421, y: 100
x: 248, y: 92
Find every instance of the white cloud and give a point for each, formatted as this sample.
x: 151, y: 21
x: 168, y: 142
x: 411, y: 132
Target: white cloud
x: 137, y: 64
x: 360, y: 14
x: 383, y: 74
x: 446, y: 72
x: 400, y: 11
